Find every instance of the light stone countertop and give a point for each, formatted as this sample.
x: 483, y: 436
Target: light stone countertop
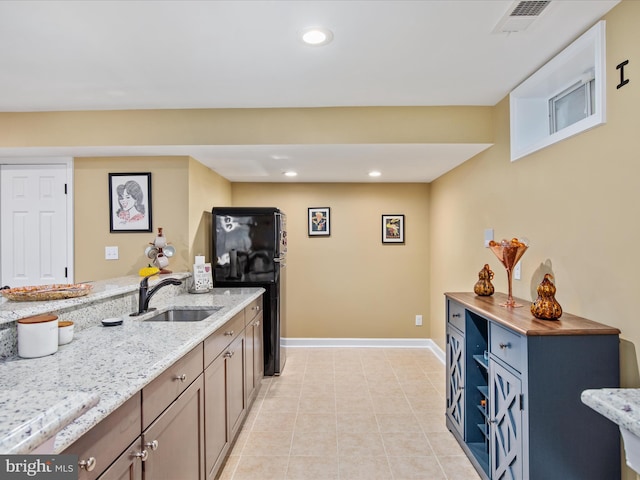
x: 620, y: 405
x: 11, y: 311
x: 109, y: 363
x: 29, y: 418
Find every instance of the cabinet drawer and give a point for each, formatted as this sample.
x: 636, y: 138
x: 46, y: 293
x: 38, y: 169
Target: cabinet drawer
x: 172, y: 382
x: 508, y: 346
x: 106, y: 441
x: 455, y: 315
x: 253, y: 309
x: 218, y: 340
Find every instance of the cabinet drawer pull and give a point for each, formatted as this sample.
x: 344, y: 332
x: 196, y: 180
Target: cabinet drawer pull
x: 229, y: 354
x: 258, y: 323
x: 505, y: 345
x: 88, y: 464
x: 152, y: 445
x: 228, y: 334
x: 182, y: 378
x: 456, y: 315
x: 143, y: 455
x: 256, y: 308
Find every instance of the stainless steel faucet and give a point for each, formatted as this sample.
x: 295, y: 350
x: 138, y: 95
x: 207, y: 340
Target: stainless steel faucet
x: 145, y: 293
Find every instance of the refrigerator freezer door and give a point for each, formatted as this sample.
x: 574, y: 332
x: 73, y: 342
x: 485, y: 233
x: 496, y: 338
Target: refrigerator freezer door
x: 245, y: 248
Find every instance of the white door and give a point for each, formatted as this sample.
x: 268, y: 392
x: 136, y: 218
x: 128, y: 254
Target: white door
x: 33, y: 221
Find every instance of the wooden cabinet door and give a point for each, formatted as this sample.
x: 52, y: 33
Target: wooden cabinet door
x: 254, y: 357
x: 249, y: 362
x: 258, y: 350
x: 455, y: 379
x: 235, y: 383
x: 128, y: 466
x: 179, y: 433
x: 505, y: 436
x: 216, y: 428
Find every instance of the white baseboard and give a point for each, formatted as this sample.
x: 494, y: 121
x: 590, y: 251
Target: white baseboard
x: 366, y: 343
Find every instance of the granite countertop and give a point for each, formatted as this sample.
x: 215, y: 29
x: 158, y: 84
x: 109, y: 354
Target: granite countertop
x: 620, y: 405
x: 106, y: 365
x: 29, y: 418
x: 11, y: 311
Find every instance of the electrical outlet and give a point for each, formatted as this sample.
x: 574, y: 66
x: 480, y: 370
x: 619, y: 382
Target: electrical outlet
x: 516, y: 271
x: 111, y: 253
x: 418, y: 320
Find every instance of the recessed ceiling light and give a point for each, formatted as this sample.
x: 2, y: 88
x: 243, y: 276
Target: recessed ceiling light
x: 317, y: 36
x: 290, y: 173
x: 374, y: 173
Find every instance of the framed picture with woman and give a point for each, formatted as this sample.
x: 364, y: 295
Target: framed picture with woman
x: 130, y: 202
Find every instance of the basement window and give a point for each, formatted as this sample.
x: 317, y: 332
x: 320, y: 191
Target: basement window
x: 571, y: 105
x: 565, y: 97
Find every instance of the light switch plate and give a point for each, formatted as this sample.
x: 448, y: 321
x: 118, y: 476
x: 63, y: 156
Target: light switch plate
x: 488, y: 236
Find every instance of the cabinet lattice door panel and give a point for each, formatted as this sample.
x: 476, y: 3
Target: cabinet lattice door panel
x: 455, y: 376
x: 506, y: 424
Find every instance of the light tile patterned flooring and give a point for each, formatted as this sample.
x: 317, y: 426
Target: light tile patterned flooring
x: 347, y: 414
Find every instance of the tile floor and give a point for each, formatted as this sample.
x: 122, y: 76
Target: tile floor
x: 350, y: 413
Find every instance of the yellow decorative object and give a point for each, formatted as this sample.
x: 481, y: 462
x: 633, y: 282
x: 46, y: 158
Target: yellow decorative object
x: 148, y: 270
x: 546, y: 306
x: 483, y: 286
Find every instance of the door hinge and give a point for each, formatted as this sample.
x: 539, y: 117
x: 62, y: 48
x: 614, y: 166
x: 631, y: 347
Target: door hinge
x: 65, y: 188
x: 521, y: 401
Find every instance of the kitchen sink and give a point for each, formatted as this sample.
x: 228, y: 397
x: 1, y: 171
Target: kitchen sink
x: 183, y: 314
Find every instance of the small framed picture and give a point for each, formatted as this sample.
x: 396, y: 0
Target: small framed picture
x: 130, y: 202
x: 392, y: 228
x: 319, y: 221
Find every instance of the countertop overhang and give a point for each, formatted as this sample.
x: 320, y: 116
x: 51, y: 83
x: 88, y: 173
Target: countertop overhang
x: 620, y: 405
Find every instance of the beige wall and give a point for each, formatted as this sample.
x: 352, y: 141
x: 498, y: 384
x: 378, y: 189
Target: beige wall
x: 350, y: 285
x: 576, y: 202
x: 266, y: 126
x: 206, y: 190
x: 181, y: 191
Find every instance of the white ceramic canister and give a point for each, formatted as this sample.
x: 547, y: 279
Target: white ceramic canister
x: 37, y: 336
x: 65, y: 332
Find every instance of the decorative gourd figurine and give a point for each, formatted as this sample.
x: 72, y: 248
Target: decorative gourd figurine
x: 483, y: 286
x: 546, y: 306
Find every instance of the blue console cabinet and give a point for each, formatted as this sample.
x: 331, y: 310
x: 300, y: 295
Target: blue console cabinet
x: 513, y: 392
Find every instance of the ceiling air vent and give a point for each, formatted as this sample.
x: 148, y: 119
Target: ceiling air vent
x: 520, y: 15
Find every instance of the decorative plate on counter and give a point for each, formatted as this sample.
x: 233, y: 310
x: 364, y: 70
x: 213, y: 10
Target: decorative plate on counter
x: 46, y: 292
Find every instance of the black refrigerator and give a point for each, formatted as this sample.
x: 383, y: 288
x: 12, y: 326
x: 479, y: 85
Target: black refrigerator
x: 249, y: 250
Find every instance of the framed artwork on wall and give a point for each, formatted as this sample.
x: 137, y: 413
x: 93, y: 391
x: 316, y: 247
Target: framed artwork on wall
x: 319, y: 221
x: 392, y: 228
x: 130, y: 202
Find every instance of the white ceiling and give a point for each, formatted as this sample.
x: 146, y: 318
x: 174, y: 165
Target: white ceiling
x: 106, y: 55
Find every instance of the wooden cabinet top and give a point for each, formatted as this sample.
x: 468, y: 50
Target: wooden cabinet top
x: 522, y: 321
